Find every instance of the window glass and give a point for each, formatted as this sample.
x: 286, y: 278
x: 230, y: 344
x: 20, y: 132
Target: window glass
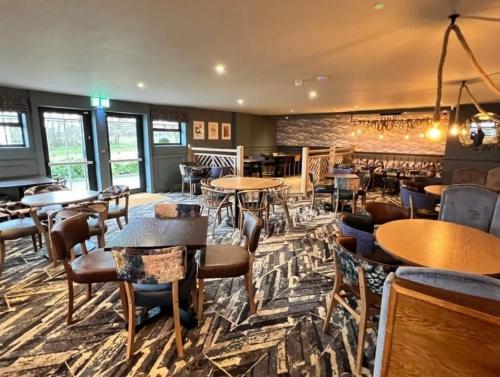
x: 169, y: 133
x: 12, y: 132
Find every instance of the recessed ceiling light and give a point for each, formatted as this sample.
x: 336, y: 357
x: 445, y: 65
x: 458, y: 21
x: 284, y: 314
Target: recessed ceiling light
x: 313, y: 94
x: 356, y: 107
x: 322, y: 78
x: 291, y: 110
x: 240, y: 101
x: 379, y: 6
x: 140, y: 84
x: 220, y: 69
x: 298, y: 82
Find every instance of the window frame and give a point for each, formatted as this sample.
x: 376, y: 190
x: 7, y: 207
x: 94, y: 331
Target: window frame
x: 21, y: 119
x: 181, y: 127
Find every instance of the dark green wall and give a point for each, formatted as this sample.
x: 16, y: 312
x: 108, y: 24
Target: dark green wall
x: 256, y: 133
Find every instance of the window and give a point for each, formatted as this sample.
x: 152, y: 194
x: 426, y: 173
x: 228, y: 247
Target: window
x: 12, y: 130
x: 167, y: 133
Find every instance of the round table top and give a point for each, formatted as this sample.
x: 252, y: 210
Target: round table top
x: 245, y: 183
x: 440, y: 244
x: 435, y: 189
x: 59, y: 197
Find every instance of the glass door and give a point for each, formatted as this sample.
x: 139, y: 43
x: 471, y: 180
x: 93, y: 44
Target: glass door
x: 126, y: 150
x: 68, y: 147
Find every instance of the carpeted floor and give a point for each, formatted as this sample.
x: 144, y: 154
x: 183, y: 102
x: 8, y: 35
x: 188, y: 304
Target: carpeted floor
x: 293, y: 276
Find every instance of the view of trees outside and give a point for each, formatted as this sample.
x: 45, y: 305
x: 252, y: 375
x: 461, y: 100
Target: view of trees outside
x: 123, y: 145
x: 11, y: 132
x: 166, y: 132
x: 66, y: 143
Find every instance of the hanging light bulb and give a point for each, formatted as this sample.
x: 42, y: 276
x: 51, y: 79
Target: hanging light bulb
x: 454, y: 130
x: 434, y: 133
x: 359, y: 132
x: 353, y: 133
x: 463, y: 132
x: 421, y: 135
x: 407, y: 137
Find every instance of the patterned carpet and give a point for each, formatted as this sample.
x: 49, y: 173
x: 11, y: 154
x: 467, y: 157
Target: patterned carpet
x: 293, y: 276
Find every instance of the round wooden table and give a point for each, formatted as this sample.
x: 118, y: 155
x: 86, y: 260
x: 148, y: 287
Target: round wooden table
x: 237, y: 184
x: 435, y: 189
x: 59, y: 197
x: 440, y: 244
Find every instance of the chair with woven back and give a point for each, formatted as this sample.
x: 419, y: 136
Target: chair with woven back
x: 279, y: 196
x: 254, y: 201
x: 228, y: 261
x: 120, y: 195
x: 362, y: 278
x: 150, y: 267
x: 20, y: 222
x: 438, y: 323
x: 96, y: 266
x: 216, y: 199
x: 42, y: 189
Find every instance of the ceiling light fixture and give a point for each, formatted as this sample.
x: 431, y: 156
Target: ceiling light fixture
x: 220, y: 69
x: 291, y: 110
x: 140, y: 84
x: 298, y: 82
x: 313, y: 94
x: 240, y: 101
x: 322, y: 78
x: 379, y: 6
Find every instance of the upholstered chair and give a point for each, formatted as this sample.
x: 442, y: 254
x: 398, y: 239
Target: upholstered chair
x: 493, y: 179
x: 363, y: 279
x: 150, y: 267
x: 20, y: 223
x: 469, y: 205
x: 457, y: 318
x: 118, y: 197
x: 228, y: 261
x: 495, y: 221
x: 361, y: 228
x: 420, y: 205
x: 382, y: 213
x: 319, y: 188
x: 96, y: 266
x: 469, y: 176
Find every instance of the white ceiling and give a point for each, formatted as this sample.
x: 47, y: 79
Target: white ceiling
x: 376, y: 59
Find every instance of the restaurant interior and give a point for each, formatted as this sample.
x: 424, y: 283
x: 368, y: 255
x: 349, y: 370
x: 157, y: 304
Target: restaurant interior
x: 250, y: 188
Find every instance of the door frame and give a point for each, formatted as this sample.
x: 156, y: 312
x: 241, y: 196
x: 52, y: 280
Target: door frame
x: 88, y: 135
x: 140, y: 147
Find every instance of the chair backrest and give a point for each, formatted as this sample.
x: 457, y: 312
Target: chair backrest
x: 150, y: 266
x: 252, y: 227
x: 495, y: 221
x: 349, y: 264
x: 68, y: 233
x: 493, y: 179
x: 416, y: 200
x: 312, y: 179
x: 469, y: 175
x: 281, y: 194
x: 413, y: 185
x: 88, y: 209
x: 382, y: 213
x: 171, y: 210
x: 182, y: 169
x: 334, y: 170
x: 216, y: 171
x: 116, y: 191
x: 469, y: 205
x: 253, y: 200
x: 349, y: 184
x: 213, y: 197
x: 41, y: 189
x: 361, y: 228
x: 438, y: 323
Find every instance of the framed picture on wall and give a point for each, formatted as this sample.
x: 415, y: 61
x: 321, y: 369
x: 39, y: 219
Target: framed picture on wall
x: 213, y: 131
x: 226, y: 131
x: 198, y: 130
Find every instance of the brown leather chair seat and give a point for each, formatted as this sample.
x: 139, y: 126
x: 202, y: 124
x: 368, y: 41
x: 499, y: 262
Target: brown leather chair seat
x: 94, y: 228
x: 116, y: 210
x: 17, y: 228
x: 384, y: 212
x: 221, y: 261
x: 96, y: 266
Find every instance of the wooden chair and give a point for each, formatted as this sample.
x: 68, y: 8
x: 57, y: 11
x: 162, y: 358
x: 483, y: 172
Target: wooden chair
x: 218, y: 200
x: 96, y: 266
x: 469, y: 176
x: 320, y: 188
x: 227, y: 261
x: 116, y: 210
x: 151, y: 267
x: 438, y: 323
x: 362, y: 278
x: 279, y: 196
x: 254, y: 201
x: 170, y: 210
x: 20, y: 223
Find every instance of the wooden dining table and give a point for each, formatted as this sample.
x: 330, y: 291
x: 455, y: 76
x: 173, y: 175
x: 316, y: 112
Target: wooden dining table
x: 152, y: 232
x: 22, y: 183
x: 440, y: 244
x: 63, y: 197
x: 238, y: 184
x: 436, y: 190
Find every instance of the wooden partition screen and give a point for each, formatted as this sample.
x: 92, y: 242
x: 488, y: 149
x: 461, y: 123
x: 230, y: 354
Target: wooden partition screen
x: 215, y: 157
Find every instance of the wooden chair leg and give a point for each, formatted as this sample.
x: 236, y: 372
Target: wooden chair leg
x: 177, y: 320
x: 71, y: 294
x: 182, y: 187
x: 2, y: 255
x: 131, y: 319
x: 337, y: 287
x: 119, y: 223
x: 40, y: 240
x: 250, y: 293
x: 33, y: 240
x: 126, y: 218
x: 361, y: 341
x: 201, y: 298
x: 100, y: 240
x: 123, y: 299
x: 194, y: 299
x: 89, y: 291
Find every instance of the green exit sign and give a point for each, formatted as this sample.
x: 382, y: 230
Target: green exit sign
x: 99, y: 102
